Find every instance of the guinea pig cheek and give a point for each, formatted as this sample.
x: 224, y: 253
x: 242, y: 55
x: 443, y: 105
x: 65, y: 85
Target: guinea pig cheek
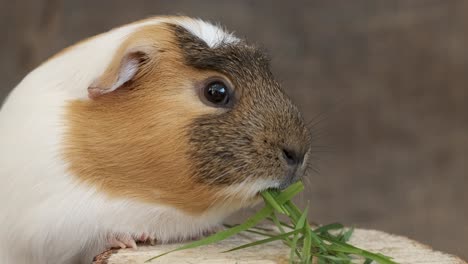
x: 136, y: 146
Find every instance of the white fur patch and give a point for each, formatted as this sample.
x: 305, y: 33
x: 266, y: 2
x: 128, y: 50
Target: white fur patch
x: 211, y: 34
x: 251, y: 188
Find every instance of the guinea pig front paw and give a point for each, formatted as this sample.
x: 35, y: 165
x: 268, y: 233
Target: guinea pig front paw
x: 125, y: 240
x: 145, y: 237
x: 122, y: 241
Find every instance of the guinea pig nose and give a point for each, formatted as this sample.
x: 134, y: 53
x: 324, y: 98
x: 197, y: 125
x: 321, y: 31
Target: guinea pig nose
x: 293, y: 158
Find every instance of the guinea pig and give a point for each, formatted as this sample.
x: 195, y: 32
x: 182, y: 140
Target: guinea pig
x: 158, y: 129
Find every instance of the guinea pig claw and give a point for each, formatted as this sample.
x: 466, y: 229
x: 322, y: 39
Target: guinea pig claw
x: 132, y: 244
x: 122, y: 242
x: 115, y: 243
x: 144, y: 237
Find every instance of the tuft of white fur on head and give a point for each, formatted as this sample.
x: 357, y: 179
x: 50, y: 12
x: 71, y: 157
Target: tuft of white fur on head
x: 212, y: 35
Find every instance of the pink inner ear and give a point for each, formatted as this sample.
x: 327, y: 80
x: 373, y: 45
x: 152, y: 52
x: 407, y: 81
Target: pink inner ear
x: 128, y: 69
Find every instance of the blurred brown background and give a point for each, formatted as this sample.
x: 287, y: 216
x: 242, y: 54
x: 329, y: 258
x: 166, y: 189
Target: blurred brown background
x: 385, y: 80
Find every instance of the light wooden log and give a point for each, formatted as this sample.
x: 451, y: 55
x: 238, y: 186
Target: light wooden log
x: 402, y: 249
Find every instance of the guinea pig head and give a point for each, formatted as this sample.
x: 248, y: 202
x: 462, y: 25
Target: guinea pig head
x: 189, y: 116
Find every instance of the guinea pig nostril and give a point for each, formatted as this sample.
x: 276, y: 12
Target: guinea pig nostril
x: 292, y: 157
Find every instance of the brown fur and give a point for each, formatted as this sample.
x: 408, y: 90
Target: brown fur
x: 132, y: 142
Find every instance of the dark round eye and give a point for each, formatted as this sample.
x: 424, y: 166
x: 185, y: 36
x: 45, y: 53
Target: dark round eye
x: 217, y: 93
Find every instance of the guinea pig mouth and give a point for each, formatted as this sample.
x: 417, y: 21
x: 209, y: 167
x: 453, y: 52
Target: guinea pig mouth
x: 289, y: 179
x: 274, y: 186
x: 268, y: 189
x: 286, y: 184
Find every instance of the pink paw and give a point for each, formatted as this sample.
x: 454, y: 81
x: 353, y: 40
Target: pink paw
x: 121, y: 241
x: 146, y: 238
x: 128, y: 241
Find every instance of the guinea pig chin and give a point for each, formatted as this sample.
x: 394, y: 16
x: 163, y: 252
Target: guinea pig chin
x: 249, y: 191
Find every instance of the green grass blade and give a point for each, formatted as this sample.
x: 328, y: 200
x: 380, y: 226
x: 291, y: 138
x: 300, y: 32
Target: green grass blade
x: 263, y: 241
x: 288, y: 193
x: 295, y: 212
x: 250, y: 230
x: 343, y: 255
x: 266, y: 229
x: 349, y: 249
x: 347, y: 235
x: 280, y: 227
x: 282, y: 223
x: 306, y: 249
x: 293, y: 248
x: 269, y: 199
x: 277, y: 222
x: 250, y: 222
x: 299, y: 226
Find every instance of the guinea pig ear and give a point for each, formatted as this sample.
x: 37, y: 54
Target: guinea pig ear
x: 123, y: 68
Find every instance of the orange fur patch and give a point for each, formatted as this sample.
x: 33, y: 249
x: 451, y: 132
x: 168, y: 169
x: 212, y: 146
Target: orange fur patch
x: 133, y: 142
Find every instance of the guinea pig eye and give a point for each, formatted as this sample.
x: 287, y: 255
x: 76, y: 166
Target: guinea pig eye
x: 217, y: 93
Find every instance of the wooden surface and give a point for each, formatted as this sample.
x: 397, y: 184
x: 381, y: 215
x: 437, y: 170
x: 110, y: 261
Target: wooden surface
x: 402, y: 249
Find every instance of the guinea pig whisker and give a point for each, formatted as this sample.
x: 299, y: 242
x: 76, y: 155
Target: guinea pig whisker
x: 320, y: 146
x: 316, y: 133
x: 306, y: 180
x: 313, y: 168
x: 318, y: 119
x: 323, y: 149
